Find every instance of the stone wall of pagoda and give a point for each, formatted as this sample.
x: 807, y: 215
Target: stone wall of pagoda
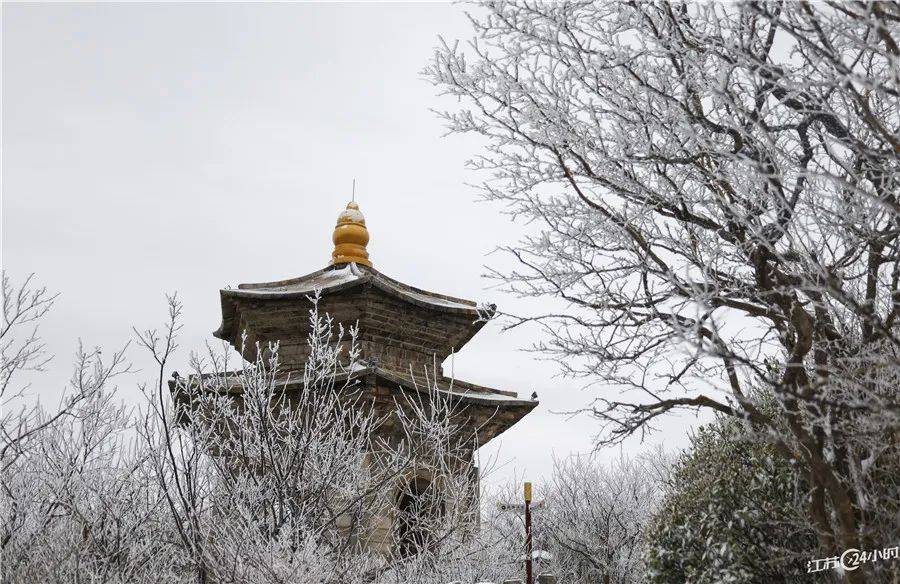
x: 393, y: 333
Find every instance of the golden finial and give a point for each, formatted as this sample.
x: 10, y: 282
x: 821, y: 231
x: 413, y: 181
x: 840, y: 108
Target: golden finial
x: 350, y: 237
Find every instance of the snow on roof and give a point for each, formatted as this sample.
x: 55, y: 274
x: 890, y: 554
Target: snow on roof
x: 486, y: 395
x: 323, y: 279
x: 453, y: 387
x: 349, y: 275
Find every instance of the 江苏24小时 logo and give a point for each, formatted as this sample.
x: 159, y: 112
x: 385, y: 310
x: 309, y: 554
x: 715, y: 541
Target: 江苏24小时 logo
x: 852, y: 559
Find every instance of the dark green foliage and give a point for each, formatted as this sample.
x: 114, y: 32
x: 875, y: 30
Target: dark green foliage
x: 733, y: 512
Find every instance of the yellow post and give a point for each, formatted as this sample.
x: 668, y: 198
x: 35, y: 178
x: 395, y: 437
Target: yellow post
x: 529, y: 579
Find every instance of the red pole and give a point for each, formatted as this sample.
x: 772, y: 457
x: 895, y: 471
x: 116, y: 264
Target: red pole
x: 528, y: 575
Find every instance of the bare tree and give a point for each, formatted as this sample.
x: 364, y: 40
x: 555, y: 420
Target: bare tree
x: 74, y: 503
x: 66, y: 486
x: 249, y: 475
x: 588, y: 518
x: 595, y: 514
x: 715, y: 188
x: 283, y: 476
x: 23, y: 353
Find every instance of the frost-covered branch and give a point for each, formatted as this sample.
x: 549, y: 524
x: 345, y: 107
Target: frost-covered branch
x: 715, y: 186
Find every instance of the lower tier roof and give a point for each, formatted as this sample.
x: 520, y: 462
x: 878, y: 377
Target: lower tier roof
x: 496, y: 410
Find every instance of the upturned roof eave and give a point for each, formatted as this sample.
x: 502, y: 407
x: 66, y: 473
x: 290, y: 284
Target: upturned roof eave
x: 369, y: 276
x: 490, y: 396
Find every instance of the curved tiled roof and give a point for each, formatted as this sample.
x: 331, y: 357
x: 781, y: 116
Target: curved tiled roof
x: 503, y: 409
x: 337, y: 278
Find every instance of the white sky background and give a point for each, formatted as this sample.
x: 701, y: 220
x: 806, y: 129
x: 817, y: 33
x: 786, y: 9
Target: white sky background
x: 157, y: 148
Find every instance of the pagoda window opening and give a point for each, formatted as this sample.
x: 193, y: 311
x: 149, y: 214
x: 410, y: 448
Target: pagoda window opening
x: 418, y: 511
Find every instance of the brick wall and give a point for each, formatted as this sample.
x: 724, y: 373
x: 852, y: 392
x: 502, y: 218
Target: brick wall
x: 392, y: 332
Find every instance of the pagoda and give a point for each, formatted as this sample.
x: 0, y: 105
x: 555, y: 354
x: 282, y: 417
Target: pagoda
x: 404, y: 333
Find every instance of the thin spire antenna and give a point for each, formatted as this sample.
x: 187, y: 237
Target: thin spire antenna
x: 354, y: 191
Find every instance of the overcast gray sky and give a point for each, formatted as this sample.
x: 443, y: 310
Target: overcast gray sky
x: 158, y: 148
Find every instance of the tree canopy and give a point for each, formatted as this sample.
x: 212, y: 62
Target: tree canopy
x: 715, y: 193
